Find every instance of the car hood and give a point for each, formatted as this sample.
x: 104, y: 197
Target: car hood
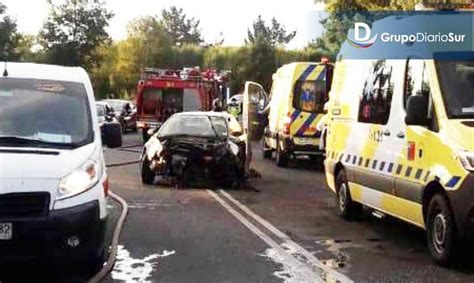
x: 39, y: 163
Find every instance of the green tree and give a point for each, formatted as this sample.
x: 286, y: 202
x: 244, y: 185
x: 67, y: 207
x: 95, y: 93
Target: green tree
x: 9, y: 37
x: 181, y: 29
x: 273, y: 35
x: 73, y: 32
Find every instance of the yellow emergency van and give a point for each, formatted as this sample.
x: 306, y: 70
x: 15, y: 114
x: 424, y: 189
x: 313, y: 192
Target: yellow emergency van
x: 296, y: 105
x: 401, y: 141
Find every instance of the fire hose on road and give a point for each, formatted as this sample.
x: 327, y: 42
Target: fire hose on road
x: 109, y: 265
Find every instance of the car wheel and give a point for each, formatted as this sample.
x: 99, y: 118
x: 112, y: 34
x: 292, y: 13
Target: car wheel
x: 281, y: 156
x: 113, y: 137
x: 441, y: 231
x: 346, y: 207
x: 266, y: 150
x: 148, y: 176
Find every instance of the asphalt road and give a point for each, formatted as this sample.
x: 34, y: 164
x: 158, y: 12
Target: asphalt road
x: 282, y: 228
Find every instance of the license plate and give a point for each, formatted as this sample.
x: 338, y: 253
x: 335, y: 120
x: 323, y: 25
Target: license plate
x: 305, y: 141
x: 6, y: 231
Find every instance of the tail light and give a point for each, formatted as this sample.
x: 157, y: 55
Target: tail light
x: 287, y: 125
x: 208, y: 158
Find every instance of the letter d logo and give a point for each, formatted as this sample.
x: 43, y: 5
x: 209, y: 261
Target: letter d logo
x: 357, y: 27
x: 362, y: 41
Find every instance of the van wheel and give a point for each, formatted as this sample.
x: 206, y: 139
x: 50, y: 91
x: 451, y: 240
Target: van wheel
x: 347, y: 208
x: 95, y: 263
x: 281, y: 156
x: 148, y: 176
x: 266, y: 150
x: 441, y: 231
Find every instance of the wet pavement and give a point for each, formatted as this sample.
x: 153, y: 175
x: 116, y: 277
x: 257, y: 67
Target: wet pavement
x: 282, y: 228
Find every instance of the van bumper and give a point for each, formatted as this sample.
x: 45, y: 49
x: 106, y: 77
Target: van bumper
x: 462, y: 202
x: 47, y: 237
x: 289, y: 145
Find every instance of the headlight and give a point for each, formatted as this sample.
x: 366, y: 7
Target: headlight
x: 467, y: 159
x: 80, y: 180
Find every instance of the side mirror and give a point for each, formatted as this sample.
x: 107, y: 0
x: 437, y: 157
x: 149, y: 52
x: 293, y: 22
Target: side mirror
x: 417, y: 111
x: 113, y: 135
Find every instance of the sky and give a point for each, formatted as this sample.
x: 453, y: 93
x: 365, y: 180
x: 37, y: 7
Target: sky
x: 231, y: 18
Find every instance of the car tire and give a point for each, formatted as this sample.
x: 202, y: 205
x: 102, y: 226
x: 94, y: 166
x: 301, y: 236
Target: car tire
x: 347, y: 208
x: 148, y: 176
x: 441, y: 231
x: 113, y: 139
x: 266, y: 150
x: 281, y: 156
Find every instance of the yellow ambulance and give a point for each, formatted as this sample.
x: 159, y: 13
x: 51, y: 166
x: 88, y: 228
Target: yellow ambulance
x: 296, y: 105
x: 401, y: 141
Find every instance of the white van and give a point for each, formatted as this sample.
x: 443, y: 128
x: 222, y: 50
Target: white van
x: 53, y: 181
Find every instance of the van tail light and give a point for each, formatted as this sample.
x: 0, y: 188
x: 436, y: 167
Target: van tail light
x: 106, y: 186
x: 287, y: 125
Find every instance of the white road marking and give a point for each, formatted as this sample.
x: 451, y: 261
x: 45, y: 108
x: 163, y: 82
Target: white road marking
x: 296, y: 271
x: 331, y: 274
x: 128, y: 269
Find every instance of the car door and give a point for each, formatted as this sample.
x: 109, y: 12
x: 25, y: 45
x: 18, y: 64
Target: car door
x: 411, y: 141
x: 374, y: 164
x: 255, y: 101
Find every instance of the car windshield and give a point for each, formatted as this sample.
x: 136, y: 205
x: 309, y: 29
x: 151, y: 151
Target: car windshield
x: 194, y: 126
x: 117, y: 105
x: 457, y: 85
x: 41, y: 113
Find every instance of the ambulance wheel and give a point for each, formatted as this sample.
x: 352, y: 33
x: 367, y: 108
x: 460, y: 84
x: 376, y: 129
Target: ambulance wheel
x: 281, y: 156
x: 148, y: 176
x: 347, y: 208
x: 266, y: 150
x: 441, y: 231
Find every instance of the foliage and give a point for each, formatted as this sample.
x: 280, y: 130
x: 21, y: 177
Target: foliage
x: 73, y: 32
x: 273, y: 35
x: 9, y: 37
x: 180, y: 28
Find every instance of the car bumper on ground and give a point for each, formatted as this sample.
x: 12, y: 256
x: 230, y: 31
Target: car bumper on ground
x: 462, y: 203
x: 75, y: 233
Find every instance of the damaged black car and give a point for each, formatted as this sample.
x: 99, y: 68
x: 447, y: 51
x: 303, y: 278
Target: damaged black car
x: 196, y: 149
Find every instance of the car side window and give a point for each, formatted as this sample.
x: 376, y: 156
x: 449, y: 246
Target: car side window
x: 376, y: 97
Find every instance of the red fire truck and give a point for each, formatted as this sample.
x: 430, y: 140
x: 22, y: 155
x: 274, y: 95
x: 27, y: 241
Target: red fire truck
x: 162, y: 93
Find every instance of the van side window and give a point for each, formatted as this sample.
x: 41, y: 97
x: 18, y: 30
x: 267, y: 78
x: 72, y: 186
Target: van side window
x: 416, y: 80
x: 310, y: 96
x: 376, y: 98
x: 417, y: 83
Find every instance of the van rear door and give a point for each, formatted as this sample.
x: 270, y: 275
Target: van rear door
x: 310, y: 93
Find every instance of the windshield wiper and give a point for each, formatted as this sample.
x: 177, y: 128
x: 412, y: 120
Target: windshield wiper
x: 21, y: 141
